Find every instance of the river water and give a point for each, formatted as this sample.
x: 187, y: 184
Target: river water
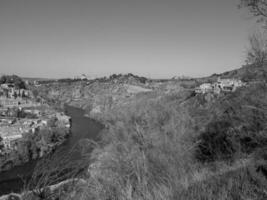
x: 82, y: 128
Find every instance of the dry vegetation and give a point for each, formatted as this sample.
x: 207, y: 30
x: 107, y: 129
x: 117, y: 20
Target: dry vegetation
x: 178, y: 145
x: 181, y: 146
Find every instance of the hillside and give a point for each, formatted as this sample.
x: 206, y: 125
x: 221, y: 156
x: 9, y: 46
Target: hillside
x: 100, y: 95
x: 185, y: 146
x: 246, y: 73
x: 164, y: 141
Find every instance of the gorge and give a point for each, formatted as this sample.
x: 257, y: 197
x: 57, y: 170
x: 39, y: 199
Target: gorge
x: 82, y: 128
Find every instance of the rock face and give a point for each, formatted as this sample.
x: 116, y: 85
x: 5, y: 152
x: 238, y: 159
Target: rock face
x: 35, y: 143
x: 29, y: 128
x: 96, y: 96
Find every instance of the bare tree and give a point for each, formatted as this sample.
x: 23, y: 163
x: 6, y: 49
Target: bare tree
x: 57, y: 168
x: 256, y: 7
x: 257, y: 51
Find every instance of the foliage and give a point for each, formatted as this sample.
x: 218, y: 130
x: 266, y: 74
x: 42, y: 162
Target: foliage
x: 238, y: 127
x: 240, y: 183
x: 153, y: 146
x: 146, y: 152
x: 142, y: 80
x: 216, y: 143
x: 43, y: 141
x: 178, y: 145
x: 68, y: 80
x: 51, y: 170
x: 1, y: 143
x: 13, y: 79
x: 257, y: 51
x: 257, y: 8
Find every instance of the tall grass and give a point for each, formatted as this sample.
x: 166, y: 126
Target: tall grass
x: 145, y: 152
x: 149, y: 150
x: 181, y: 146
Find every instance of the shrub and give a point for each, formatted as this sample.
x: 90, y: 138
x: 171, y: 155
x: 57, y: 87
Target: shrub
x: 257, y: 52
x: 216, y: 142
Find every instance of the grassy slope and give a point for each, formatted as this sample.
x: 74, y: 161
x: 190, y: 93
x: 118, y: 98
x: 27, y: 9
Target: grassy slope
x: 155, y: 148
x: 150, y: 151
x: 181, y: 146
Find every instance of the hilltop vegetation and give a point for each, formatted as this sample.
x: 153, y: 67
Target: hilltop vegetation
x: 99, y: 95
x: 164, y: 141
x: 183, y: 147
x: 248, y: 73
x: 13, y: 79
x: 170, y: 143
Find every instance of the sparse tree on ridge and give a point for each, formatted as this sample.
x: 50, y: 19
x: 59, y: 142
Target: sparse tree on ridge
x: 256, y: 7
x: 257, y: 51
x: 1, y: 143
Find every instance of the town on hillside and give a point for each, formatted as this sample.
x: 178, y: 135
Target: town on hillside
x: 222, y: 85
x: 21, y: 118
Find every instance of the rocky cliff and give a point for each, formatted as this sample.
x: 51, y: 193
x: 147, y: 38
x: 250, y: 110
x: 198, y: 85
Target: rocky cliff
x: 99, y: 96
x: 35, y: 143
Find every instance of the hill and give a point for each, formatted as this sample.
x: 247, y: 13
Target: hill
x: 247, y: 73
x: 164, y: 141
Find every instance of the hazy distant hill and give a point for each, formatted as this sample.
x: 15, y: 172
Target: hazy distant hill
x: 246, y: 73
x: 161, y: 134
x: 36, y: 79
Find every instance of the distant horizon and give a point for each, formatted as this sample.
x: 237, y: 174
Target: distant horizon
x: 151, y: 38
x: 101, y: 76
x: 107, y: 75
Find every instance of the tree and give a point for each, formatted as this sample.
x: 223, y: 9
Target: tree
x: 1, y: 143
x: 257, y: 51
x: 257, y: 8
x: 35, y: 93
x: 15, y: 95
x: 13, y: 79
x: 58, y: 167
x: 23, y: 94
x: 3, y: 79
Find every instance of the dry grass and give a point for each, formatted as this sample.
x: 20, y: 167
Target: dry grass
x: 148, y: 152
x: 149, y: 149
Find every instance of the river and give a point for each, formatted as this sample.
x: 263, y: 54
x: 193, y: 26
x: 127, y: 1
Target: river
x: 82, y: 128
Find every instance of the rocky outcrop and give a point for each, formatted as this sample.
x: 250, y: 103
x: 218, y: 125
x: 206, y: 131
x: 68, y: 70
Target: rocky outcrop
x: 96, y: 96
x: 36, y: 143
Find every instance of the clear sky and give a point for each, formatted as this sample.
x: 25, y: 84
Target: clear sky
x: 154, y: 38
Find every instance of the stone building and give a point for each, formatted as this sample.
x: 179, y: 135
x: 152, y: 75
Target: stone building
x: 222, y: 85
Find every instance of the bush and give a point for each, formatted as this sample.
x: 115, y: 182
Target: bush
x: 238, y: 127
x: 257, y: 52
x: 17, y: 81
x: 153, y: 144
x: 217, y: 142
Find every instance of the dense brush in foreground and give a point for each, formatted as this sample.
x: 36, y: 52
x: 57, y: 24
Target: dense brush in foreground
x: 182, y: 146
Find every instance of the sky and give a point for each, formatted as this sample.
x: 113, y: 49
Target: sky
x: 153, y: 38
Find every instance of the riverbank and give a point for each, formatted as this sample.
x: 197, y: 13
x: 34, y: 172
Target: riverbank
x: 82, y: 128
x: 33, y: 139
x: 178, y: 145
x: 169, y: 145
x: 52, y: 189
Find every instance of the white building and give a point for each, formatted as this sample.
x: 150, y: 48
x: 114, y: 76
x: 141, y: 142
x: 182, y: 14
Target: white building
x: 228, y: 85
x: 83, y: 77
x: 8, y: 141
x: 222, y: 85
x: 204, y: 88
